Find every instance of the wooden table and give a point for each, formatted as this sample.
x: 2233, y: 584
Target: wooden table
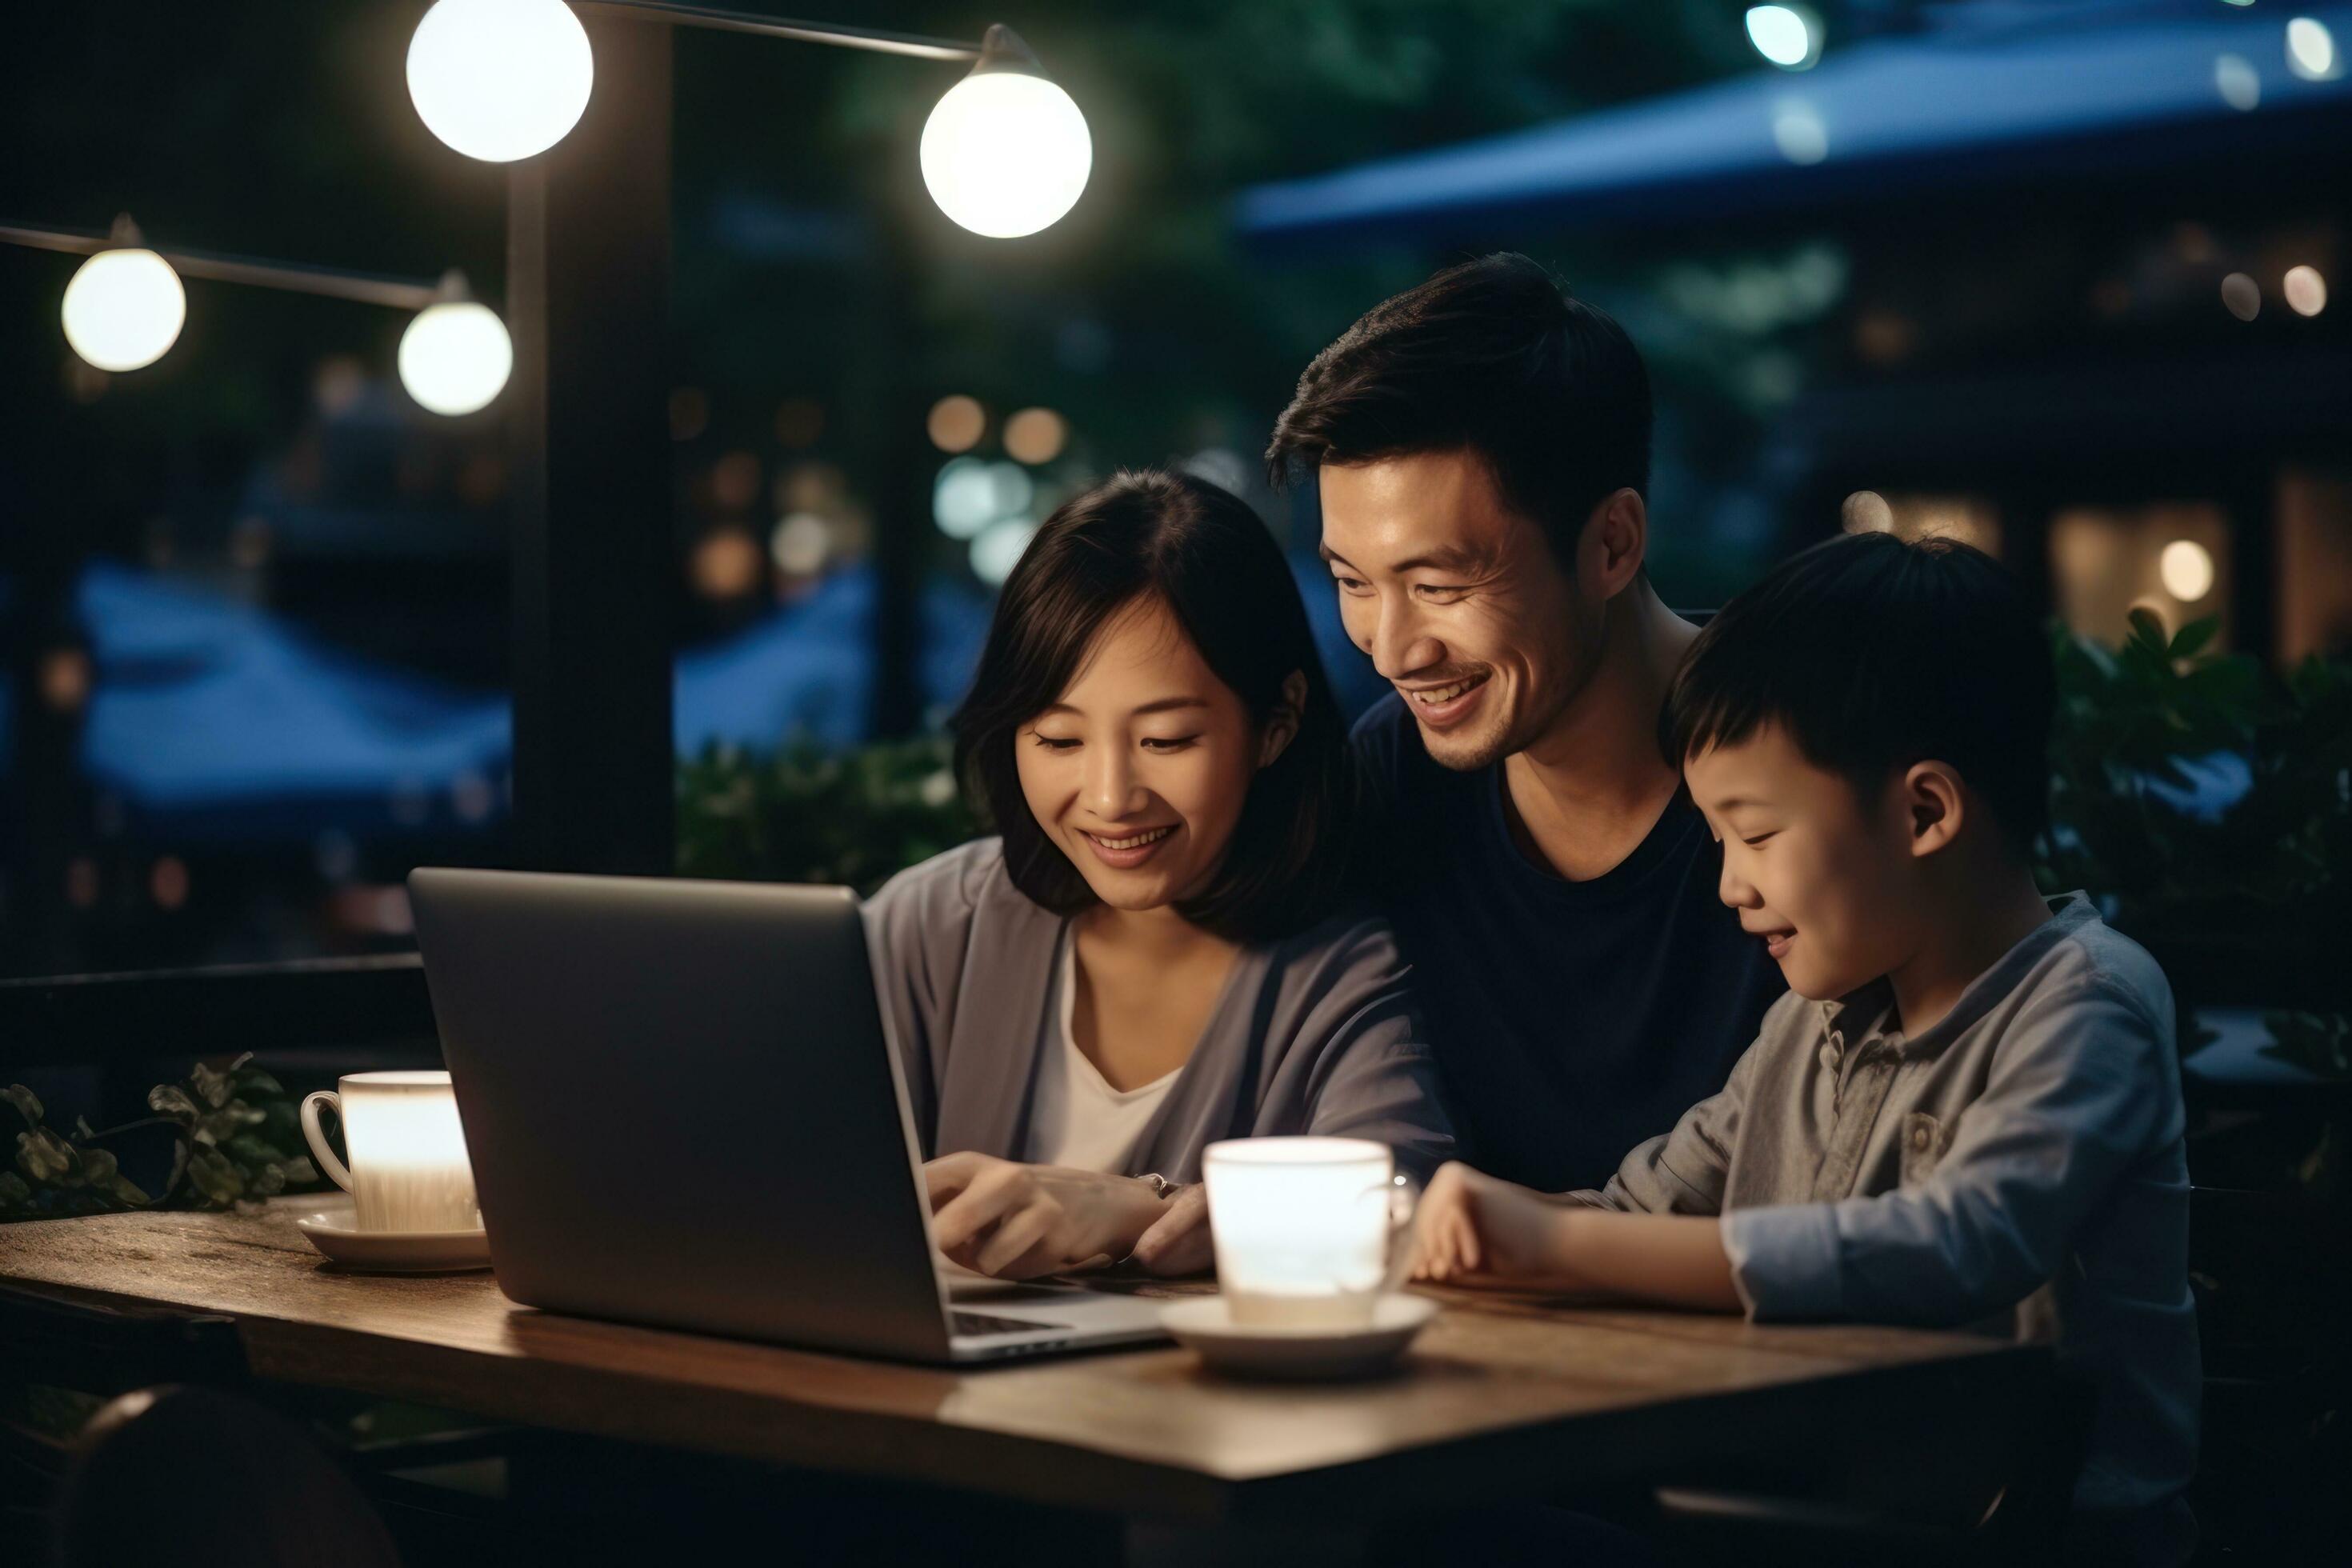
x: 1500, y: 1397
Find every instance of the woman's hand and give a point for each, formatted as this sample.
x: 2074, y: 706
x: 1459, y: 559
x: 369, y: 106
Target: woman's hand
x: 1476, y: 1229
x: 1178, y: 1241
x: 1016, y: 1221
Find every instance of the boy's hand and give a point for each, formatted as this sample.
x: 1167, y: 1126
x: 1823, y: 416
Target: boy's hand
x: 1473, y: 1228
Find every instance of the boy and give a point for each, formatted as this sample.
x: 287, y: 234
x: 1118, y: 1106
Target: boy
x: 1967, y: 1107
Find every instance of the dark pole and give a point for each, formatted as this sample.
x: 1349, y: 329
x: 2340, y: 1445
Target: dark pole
x: 588, y: 259
x: 902, y: 510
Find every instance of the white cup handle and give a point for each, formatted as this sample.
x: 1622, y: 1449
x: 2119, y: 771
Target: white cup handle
x: 318, y: 1139
x: 1403, y: 1197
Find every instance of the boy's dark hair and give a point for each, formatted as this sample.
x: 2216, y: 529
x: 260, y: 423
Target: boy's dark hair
x: 1877, y: 654
x: 1207, y: 557
x: 1491, y: 356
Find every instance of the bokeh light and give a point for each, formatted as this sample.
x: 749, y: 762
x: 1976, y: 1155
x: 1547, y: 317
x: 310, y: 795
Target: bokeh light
x: 963, y: 498
x: 1867, y: 511
x: 167, y: 883
x: 1799, y: 132
x: 956, y: 423
x: 2310, y: 49
x: 2186, y: 569
x: 456, y: 357
x: 124, y: 308
x: 801, y: 544
x: 1787, y: 36
x: 727, y: 564
x: 1035, y: 435
x: 2238, y: 82
x: 735, y: 480
x: 500, y: 79
x: 998, y: 549
x: 1005, y: 153
x: 2305, y: 290
x: 2242, y: 296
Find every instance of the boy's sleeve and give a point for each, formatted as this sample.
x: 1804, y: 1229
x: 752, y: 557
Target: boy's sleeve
x: 1682, y: 1172
x: 2081, y: 1086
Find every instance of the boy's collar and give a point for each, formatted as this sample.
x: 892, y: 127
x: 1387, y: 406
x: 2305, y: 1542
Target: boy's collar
x: 1870, y: 1005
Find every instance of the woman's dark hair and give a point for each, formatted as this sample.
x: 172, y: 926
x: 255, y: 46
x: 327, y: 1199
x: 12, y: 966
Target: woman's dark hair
x: 1876, y: 654
x: 1203, y: 553
x: 1493, y: 357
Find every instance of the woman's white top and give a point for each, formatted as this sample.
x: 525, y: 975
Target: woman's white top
x: 1077, y: 1118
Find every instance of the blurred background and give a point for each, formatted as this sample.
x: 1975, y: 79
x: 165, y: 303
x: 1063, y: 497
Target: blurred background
x: 2054, y: 278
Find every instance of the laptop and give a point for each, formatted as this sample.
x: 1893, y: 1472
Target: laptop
x: 682, y: 1111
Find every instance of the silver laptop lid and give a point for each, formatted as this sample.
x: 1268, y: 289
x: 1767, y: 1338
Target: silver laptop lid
x: 679, y: 1106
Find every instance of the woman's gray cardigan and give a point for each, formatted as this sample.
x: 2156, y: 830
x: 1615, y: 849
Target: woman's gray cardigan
x: 1314, y: 1033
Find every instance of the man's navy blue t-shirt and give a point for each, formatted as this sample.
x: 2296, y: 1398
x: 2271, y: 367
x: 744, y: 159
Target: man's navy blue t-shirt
x: 1570, y: 1020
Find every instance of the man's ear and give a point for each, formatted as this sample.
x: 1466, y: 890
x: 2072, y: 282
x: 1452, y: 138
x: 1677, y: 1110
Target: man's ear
x: 1282, y: 724
x: 1614, y: 543
x: 1934, y: 806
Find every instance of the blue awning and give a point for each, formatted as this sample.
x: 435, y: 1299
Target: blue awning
x: 1989, y: 93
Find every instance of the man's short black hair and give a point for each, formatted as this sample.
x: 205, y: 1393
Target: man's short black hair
x: 1203, y: 553
x: 1493, y: 357
x: 1876, y: 654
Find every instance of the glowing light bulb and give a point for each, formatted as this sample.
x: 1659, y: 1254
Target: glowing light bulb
x: 1006, y: 153
x: 124, y: 308
x: 2186, y: 569
x: 1787, y: 36
x: 455, y: 356
x: 500, y: 79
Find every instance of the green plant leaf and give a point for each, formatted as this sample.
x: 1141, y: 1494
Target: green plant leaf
x: 132, y: 1195
x: 14, y: 1192
x: 44, y: 1156
x: 254, y: 1082
x: 27, y: 1104
x: 170, y: 1100
x: 2192, y: 638
x: 299, y: 1172
x: 215, y: 1177
x: 212, y: 1088
x: 214, y: 1126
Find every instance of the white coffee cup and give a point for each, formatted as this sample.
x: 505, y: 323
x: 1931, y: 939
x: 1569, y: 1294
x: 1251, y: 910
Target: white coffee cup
x: 1310, y: 1231
x: 409, y: 1169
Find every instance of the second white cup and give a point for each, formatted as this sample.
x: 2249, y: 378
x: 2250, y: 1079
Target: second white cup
x: 408, y: 1170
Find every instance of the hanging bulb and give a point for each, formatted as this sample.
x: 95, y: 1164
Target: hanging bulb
x: 1006, y: 153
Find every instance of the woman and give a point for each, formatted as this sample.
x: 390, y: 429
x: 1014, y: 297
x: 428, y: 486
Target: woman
x: 1155, y: 954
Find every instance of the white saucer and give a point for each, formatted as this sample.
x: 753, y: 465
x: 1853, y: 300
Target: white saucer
x: 335, y: 1233
x: 1205, y: 1323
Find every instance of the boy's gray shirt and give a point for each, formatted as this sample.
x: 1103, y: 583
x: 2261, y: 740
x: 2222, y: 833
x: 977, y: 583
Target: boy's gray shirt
x: 2017, y: 1168
x: 1315, y: 1033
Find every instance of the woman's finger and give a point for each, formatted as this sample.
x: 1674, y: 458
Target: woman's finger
x: 946, y: 1176
x: 1467, y: 1254
x: 970, y: 1214
x: 1012, y: 1240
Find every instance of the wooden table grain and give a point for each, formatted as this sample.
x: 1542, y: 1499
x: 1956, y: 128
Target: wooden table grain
x: 1500, y: 1397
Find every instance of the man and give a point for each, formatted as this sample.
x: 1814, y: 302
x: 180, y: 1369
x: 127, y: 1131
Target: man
x: 1482, y: 444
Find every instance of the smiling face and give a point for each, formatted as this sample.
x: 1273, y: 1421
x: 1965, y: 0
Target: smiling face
x: 1138, y: 771
x: 1461, y: 603
x: 1827, y: 878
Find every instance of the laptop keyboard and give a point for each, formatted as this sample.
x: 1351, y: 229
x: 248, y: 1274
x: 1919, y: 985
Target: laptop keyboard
x: 981, y: 1324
